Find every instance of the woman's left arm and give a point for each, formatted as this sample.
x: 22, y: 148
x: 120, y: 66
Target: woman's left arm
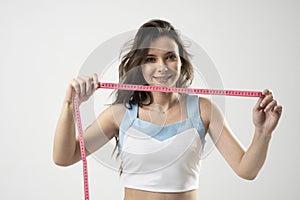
x: 266, y: 114
x: 246, y: 163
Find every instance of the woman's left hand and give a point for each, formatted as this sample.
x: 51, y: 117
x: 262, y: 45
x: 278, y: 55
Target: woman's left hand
x: 266, y: 113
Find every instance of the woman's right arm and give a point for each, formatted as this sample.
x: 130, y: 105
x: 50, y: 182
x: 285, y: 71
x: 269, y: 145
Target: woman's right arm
x: 65, y: 142
x: 66, y: 148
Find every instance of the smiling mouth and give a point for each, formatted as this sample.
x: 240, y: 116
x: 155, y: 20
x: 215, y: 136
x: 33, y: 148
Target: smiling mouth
x: 162, y: 79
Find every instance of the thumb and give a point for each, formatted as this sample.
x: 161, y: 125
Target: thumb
x: 257, y: 105
x: 69, y: 94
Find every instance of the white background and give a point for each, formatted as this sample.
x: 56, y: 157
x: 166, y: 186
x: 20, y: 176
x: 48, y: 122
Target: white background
x: 253, y: 44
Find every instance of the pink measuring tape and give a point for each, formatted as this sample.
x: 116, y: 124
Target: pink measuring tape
x: 147, y: 88
x: 82, y: 148
x: 241, y: 93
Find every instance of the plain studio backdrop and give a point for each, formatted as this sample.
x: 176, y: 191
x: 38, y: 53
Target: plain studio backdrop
x: 43, y: 44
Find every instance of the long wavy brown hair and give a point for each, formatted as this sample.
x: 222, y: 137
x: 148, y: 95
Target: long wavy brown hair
x: 130, y: 67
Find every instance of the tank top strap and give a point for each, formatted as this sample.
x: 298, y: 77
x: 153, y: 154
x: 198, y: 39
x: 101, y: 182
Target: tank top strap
x: 193, y: 109
x: 130, y: 114
x: 194, y: 113
x: 129, y: 117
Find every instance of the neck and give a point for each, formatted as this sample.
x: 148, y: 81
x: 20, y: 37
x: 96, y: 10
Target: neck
x: 165, y: 100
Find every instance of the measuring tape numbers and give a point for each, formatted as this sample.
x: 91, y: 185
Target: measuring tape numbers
x: 146, y: 88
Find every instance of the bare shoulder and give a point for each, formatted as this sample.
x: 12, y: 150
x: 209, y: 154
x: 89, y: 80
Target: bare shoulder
x: 208, y: 106
x: 209, y: 111
x: 205, y: 103
x: 113, y: 114
x: 118, y: 112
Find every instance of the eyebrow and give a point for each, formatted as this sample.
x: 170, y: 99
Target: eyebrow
x: 169, y: 52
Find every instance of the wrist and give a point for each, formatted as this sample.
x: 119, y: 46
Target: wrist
x: 67, y: 104
x: 260, y: 133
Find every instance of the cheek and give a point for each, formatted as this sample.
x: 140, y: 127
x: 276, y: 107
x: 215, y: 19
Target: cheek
x: 178, y: 67
x: 178, y: 64
x: 146, y: 71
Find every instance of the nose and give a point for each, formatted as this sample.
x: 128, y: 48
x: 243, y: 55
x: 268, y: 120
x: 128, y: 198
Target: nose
x: 161, y: 66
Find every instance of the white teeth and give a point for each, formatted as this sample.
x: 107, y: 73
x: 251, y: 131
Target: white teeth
x: 162, y: 79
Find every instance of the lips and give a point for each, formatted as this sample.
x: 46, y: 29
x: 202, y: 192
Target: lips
x: 162, y: 79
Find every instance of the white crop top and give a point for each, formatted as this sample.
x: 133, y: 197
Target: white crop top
x: 162, y: 158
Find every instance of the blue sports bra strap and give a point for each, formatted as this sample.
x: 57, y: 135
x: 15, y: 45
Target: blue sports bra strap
x: 128, y: 119
x: 130, y: 116
x: 193, y: 110
x: 194, y: 115
x: 133, y: 113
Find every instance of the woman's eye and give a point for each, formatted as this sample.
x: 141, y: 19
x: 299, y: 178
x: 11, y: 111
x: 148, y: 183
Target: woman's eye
x: 171, y: 57
x: 150, y: 59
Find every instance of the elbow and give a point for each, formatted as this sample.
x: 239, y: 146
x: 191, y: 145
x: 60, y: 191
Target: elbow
x: 60, y: 162
x: 247, y: 176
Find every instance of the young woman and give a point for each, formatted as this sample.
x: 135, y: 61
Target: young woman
x: 160, y: 136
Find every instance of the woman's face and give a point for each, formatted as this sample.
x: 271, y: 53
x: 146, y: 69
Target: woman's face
x: 162, y: 64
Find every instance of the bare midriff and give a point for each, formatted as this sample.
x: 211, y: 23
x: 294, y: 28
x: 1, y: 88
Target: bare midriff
x: 134, y: 194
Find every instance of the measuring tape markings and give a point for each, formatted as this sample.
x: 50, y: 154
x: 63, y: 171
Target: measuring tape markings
x: 82, y: 148
x: 147, y: 88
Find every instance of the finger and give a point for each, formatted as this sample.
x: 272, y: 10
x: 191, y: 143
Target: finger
x: 69, y: 93
x: 266, y: 92
x: 89, y: 85
x: 76, y: 86
x: 258, y: 105
x: 95, y: 80
x: 270, y: 106
x: 278, y: 109
x: 82, y: 84
x: 266, y: 100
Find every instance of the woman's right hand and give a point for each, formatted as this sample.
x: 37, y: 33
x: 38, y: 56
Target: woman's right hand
x: 83, y: 86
